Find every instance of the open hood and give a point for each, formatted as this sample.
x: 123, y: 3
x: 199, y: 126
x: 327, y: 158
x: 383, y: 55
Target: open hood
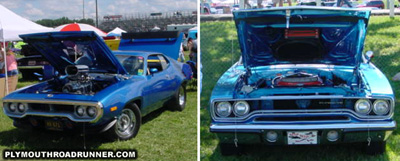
x: 165, y: 42
x: 301, y: 35
x: 76, y: 47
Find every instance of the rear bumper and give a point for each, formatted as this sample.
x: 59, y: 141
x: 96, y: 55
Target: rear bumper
x: 348, y: 133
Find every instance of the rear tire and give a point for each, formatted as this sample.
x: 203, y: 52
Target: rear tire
x: 376, y: 148
x: 178, y: 101
x: 128, y: 123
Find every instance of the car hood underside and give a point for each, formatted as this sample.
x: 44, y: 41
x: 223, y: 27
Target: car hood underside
x: 301, y: 35
x: 75, y: 48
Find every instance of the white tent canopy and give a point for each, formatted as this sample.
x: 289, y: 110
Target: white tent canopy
x: 12, y: 25
x: 116, y: 31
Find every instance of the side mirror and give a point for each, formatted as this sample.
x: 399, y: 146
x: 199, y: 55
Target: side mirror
x: 153, y: 70
x: 369, y: 55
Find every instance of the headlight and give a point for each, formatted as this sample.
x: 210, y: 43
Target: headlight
x: 241, y: 108
x: 12, y: 107
x: 80, y: 110
x: 362, y: 106
x: 91, y: 111
x: 381, y: 107
x: 224, y: 109
x: 22, y: 107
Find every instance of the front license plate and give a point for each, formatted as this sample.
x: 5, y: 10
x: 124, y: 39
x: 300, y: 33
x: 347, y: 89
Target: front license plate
x: 54, y: 125
x: 302, y: 137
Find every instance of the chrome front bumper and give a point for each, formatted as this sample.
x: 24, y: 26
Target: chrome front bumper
x: 388, y: 125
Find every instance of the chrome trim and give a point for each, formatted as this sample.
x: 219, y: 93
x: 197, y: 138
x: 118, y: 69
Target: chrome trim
x: 70, y: 116
x: 371, y: 125
x: 305, y: 111
x: 30, y: 67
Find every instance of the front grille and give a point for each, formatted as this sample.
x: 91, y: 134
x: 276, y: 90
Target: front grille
x: 50, y: 108
x: 308, y: 118
x: 39, y: 107
x: 301, y: 104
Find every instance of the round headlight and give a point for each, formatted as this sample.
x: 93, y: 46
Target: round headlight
x: 224, y: 109
x: 362, y: 106
x: 381, y: 107
x: 12, y: 107
x: 91, y: 111
x: 80, y: 110
x: 241, y: 108
x: 22, y: 107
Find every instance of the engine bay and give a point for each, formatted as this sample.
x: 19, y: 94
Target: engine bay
x: 298, y: 78
x: 78, y: 80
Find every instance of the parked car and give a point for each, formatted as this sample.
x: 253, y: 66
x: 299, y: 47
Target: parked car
x: 309, y: 3
x: 374, y: 3
x: 33, y: 66
x: 102, y: 91
x: 223, y: 9
x: 330, y: 3
x: 235, y: 7
x: 301, y: 82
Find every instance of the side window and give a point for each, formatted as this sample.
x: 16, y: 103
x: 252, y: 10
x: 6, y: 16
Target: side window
x: 164, y: 62
x: 132, y: 64
x: 154, y: 64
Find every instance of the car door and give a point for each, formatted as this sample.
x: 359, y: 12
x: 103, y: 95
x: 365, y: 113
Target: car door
x: 155, y: 90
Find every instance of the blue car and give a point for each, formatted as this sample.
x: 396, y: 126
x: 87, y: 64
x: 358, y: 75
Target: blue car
x: 302, y: 80
x: 98, y: 90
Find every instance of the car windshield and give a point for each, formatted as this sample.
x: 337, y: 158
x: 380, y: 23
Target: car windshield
x: 133, y: 64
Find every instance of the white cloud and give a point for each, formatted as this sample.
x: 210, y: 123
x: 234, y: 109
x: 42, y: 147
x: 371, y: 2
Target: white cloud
x: 52, y: 9
x: 32, y: 11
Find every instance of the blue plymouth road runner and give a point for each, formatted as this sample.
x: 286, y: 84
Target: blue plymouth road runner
x: 302, y: 79
x: 99, y: 90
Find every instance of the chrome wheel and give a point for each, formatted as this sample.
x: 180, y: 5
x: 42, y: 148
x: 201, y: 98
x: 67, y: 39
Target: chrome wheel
x: 126, y: 123
x: 181, y: 96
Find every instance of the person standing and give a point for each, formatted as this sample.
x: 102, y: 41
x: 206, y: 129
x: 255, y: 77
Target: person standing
x: 1, y: 61
x: 12, y: 70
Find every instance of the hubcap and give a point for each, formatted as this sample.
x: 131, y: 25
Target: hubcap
x: 181, y: 96
x: 126, y: 123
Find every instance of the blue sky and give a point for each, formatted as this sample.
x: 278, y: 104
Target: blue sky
x: 52, y: 9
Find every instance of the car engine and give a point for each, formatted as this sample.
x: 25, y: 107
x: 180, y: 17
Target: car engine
x: 79, y: 80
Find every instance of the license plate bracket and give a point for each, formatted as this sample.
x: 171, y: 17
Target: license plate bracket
x: 54, y: 125
x: 302, y: 137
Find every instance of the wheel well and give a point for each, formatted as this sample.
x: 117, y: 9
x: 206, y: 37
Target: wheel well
x: 137, y: 101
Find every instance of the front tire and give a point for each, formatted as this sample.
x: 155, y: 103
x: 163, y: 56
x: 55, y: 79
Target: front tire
x: 128, y: 123
x: 376, y: 148
x: 178, y: 101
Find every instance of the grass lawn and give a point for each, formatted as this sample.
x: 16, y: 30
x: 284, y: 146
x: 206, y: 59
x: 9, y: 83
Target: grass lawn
x: 164, y: 135
x: 220, y: 49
